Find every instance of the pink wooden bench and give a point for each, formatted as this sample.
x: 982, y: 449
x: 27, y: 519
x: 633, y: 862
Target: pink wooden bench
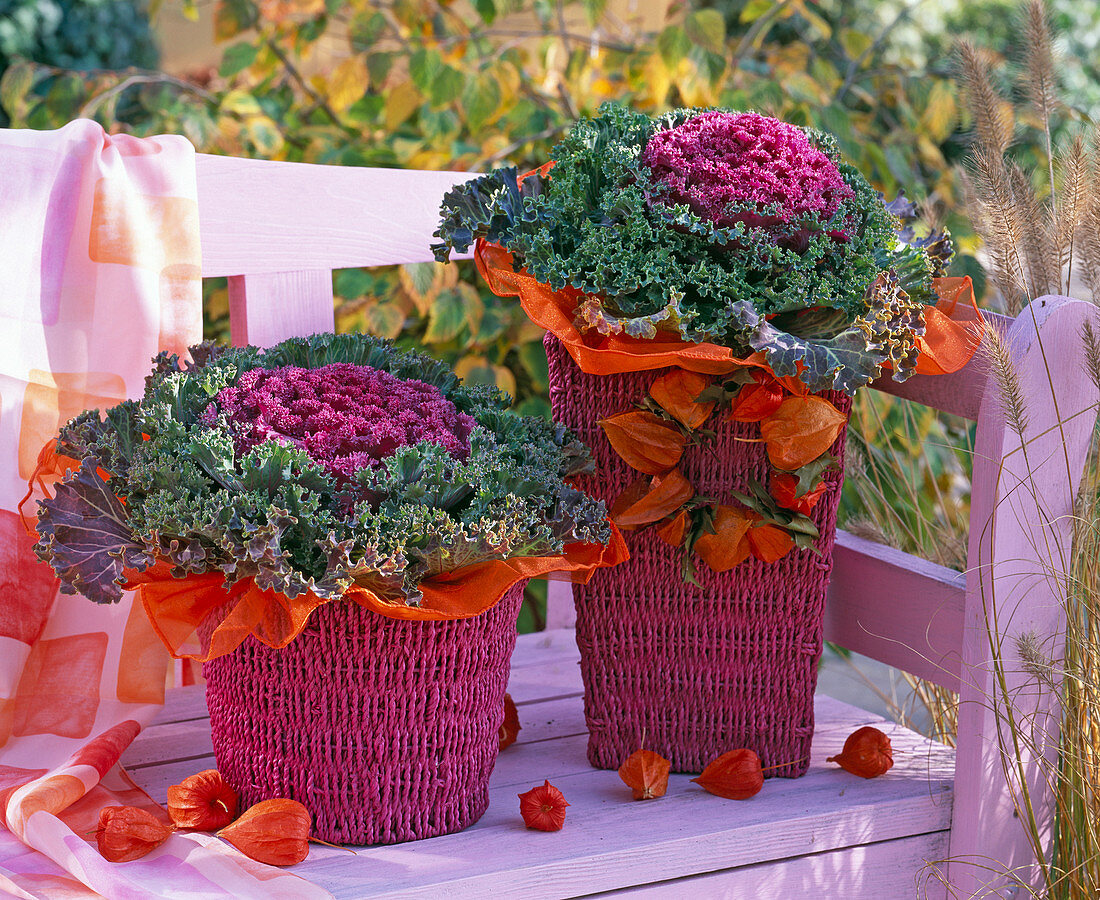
x: 279, y: 229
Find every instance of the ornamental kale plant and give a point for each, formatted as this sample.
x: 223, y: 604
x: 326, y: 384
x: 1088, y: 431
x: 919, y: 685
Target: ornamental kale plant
x: 710, y: 225
x: 314, y: 465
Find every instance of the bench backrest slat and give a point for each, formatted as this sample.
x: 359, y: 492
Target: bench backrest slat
x: 261, y: 217
x: 265, y: 309
x: 896, y: 608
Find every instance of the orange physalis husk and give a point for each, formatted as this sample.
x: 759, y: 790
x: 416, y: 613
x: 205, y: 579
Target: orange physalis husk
x: 634, y: 492
x: 867, y: 753
x: 126, y: 833
x: 543, y: 808
x: 800, y: 430
x: 769, y: 543
x: 728, y: 546
x: 672, y: 531
x: 755, y: 402
x: 735, y: 775
x: 275, y: 832
x: 667, y: 494
x: 510, y: 727
x: 646, y: 774
x: 204, y: 802
x: 675, y: 392
x: 645, y: 441
x: 784, y: 488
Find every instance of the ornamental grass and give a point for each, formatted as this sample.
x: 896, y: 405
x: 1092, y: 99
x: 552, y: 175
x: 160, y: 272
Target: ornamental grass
x: 1040, y: 231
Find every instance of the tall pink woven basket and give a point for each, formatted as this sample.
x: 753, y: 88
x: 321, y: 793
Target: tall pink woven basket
x: 386, y: 730
x: 693, y: 672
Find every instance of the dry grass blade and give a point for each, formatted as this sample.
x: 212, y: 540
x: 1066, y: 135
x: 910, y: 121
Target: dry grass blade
x: 993, y: 122
x: 1010, y: 391
x: 870, y: 530
x: 1092, y: 353
x: 1039, y: 79
x: 1040, y: 255
x: 1073, y: 166
x: 1088, y: 237
x: 998, y: 221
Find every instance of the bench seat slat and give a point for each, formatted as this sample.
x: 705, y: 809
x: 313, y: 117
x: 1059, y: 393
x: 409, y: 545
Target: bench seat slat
x: 611, y: 842
x: 897, y: 608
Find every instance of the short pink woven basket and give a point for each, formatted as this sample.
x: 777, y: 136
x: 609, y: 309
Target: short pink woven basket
x: 385, y: 730
x: 693, y: 672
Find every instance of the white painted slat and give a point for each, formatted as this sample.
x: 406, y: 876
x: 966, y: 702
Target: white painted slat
x: 258, y: 216
x: 611, y: 842
x: 867, y: 872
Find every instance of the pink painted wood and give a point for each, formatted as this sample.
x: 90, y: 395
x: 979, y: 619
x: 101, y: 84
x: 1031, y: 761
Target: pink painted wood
x: 268, y: 307
x: 1021, y: 521
x: 278, y: 229
x: 896, y: 608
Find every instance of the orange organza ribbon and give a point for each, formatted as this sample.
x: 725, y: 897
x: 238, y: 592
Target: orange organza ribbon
x: 49, y: 468
x: 948, y: 343
x: 952, y: 332
x: 179, y: 608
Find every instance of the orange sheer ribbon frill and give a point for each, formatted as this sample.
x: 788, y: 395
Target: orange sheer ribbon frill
x: 948, y: 343
x: 50, y: 468
x: 199, y: 606
x: 594, y: 353
x: 953, y: 328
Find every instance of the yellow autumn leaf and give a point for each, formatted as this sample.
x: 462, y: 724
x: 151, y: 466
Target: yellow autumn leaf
x: 401, y: 102
x: 349, y: 81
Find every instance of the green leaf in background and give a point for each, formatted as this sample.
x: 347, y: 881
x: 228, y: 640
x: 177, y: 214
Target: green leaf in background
x: 265, y: 135
x: 447, y: 317
x: 384, y: 318
x: 533, y: 357
x: 487, y: 9
x: 231, y: 17
x: 351, y: 284
x: 237, y: 58
x: 707, y: 29
x: 673, y: 44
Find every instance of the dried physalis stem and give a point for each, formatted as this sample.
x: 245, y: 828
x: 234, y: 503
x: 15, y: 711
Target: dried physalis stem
x: 275, y: 832
x: 126, y: 833
x: 867, y: 753
x: 646, y: 774
x: 510, y: 727
x: 204, y: 802
x: 735, y: 775
x: 543, y: 808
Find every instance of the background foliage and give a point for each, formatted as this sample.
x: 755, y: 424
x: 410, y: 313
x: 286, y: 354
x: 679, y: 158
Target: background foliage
x: 439, y: 84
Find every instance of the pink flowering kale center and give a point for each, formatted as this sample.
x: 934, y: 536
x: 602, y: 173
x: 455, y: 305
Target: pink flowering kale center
x: 743, y: 167
x: 346, y: 417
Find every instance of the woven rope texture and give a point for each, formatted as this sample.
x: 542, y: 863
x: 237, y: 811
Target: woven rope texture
x: 386, y: 730
x: 694, y: 672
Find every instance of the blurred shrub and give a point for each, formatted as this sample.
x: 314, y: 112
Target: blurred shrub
x: 77, y: 34
x: 74, y: 35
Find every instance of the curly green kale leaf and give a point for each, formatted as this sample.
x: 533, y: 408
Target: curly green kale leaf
x: 917, y: 260
x: 603, y: 225
x: 182, y: 490
x: 828, y: 352
x: 493, y: 207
